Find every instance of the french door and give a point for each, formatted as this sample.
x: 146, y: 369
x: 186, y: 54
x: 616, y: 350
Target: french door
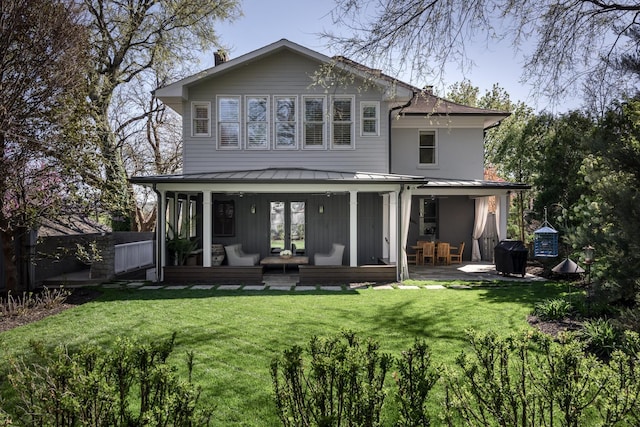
x: 288, y: 226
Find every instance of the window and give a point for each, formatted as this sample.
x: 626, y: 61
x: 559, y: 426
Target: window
x: 314, y: 127
x: 428, y: 148
x: 224, y: 217
x: 342, y: 122
x: 429, y: 218
x: 229, y: 122
x: 285, y: 121
x: 257, y: 121
x: 369, y: 118
x: 200, y: 118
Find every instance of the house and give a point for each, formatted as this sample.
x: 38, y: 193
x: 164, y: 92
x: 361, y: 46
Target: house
x: 287, y: 146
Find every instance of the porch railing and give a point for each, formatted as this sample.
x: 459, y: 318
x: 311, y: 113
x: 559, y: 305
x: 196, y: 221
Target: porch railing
x: 131, y: 256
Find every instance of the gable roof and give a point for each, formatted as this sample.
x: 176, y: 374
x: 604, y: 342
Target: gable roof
x: 174, y: 93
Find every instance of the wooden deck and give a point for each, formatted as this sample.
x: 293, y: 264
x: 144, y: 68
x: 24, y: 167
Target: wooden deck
x: 341, y: 274
x: 309, y: 274
x: 224, y: 274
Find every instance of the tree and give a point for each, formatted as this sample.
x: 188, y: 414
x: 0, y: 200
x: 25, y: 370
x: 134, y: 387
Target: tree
x: 573, y: 39
x: 129, y: 40
x: 42, y: 45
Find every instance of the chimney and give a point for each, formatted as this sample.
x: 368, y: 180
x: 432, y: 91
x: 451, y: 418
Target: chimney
x: 220, y: 57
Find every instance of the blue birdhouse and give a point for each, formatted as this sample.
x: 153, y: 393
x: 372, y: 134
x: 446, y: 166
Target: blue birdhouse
x: 545, y: 242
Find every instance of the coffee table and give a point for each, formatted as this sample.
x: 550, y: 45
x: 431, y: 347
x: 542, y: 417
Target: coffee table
x: 284, y: 261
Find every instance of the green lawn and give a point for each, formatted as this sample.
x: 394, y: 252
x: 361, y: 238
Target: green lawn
x: 235, y: 335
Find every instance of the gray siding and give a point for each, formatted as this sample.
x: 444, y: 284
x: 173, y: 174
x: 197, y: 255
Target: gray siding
x: 369, y: 228
x: 460, y: 153
x: 283, y: 73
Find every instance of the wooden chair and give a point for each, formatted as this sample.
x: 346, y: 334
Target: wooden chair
x: 412, y: 258
x: 429, y: 252
x: 456, y: 256
x: 444, y: 253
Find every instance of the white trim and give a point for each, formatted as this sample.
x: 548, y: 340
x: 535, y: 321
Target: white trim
x: 353, y: 228
x: 363, y: 105
x: 303, y: 121
x: 296, y: 122
x: 267, y: 123
x: 352, y: 123
x: 218, y: 144
x: 207, y: 227
x: 194, y: 105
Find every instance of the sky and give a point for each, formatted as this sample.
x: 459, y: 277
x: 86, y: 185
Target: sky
x: 300, y: 21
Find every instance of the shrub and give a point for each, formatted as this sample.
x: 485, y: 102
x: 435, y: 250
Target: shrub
x: 415, y: 379
x: 132, y: 384
x: 22, y: 304
x: 342, y: 386
x: 553, y: 309
x: 601, y: 337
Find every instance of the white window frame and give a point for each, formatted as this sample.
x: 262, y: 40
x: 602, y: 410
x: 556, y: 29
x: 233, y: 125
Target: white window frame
x: 324, y: 125
x: 219, y: 122
x: 435, y: 147
x: 295, y: 121
x: 266, y: 122
x: 194, y: 106
x: 335, y: 122
x: 363, y: 119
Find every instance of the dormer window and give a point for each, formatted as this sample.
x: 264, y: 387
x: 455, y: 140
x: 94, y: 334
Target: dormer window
x: 200, y: 112
x: 229, y: 122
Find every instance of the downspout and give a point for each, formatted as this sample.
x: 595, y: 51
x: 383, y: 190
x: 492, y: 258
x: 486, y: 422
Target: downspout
x: 399, y: 234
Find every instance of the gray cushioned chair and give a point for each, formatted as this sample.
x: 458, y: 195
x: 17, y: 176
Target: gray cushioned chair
x: 236, y: 257
x: 334, y: 257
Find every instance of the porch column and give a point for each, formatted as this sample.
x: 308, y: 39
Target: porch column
x: 353, y: 228
x: 502, y: 214
x: 385, y: 226
x: 161, y: 235
x: 393, y: 227
x: 207, y: 218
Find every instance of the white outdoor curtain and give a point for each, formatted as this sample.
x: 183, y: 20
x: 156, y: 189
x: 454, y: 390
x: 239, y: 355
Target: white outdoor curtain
x: 482, y: 208
x: 405, y: 207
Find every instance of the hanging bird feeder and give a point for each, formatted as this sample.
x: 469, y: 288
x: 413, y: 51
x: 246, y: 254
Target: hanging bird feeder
x: 545, y: 240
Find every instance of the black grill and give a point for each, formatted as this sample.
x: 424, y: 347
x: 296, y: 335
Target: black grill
x: 511, y: 257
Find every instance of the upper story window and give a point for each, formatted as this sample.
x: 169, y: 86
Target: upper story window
x: 286, y: 121
x: 200, y: 113
x: 257, y: 121
x: 229, y: 122
x: 314, y: 121
x: 428, y: 148
x: 369, y: 118
x: 342, y: 122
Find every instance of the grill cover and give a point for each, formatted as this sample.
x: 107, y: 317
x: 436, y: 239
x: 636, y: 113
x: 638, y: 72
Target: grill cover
x: 511, y: 257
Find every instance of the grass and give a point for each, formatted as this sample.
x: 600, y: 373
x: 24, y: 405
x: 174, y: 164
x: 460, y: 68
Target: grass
x: 235, y: 335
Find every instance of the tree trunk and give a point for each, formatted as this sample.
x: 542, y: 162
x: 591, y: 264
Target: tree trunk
x: 9, y: 261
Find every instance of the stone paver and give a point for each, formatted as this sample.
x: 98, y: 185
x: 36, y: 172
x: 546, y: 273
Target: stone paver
x: 151, y: 287
x: 434, y: 287
x: 408, y: 287
x: 331, y: 288
x: 305, y: 288
x: 202, y: 287
x: 253, y: 288
x: 280, y: 287
x: 228, y: 287
x: 176, y: 287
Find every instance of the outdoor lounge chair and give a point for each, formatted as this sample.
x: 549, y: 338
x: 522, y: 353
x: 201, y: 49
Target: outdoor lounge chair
x: 332, y: 258
x: 236, y: 257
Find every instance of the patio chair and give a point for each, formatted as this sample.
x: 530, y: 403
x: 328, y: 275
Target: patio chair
x: 429, y: 252
x: 334, y: 257
x: 444, y: 253
x: 236, y: 257
x: 456, y: 256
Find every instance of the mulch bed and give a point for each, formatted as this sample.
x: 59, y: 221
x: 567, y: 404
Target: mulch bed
x: 77, y: 297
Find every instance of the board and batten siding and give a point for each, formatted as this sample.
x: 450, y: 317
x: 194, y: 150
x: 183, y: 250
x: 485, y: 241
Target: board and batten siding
x: 281, y: 74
